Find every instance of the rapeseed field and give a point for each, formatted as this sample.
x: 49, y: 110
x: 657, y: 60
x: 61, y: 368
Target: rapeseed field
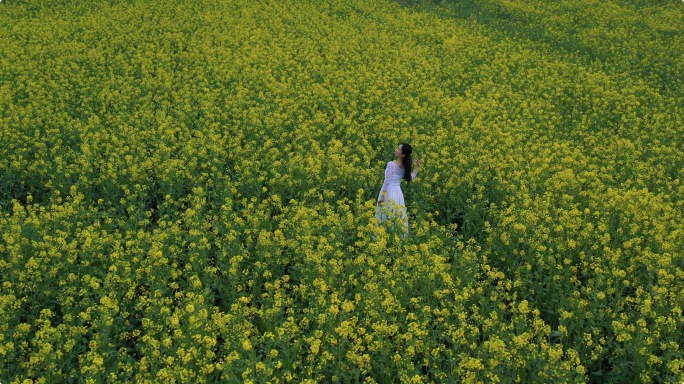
x: 187, y: 191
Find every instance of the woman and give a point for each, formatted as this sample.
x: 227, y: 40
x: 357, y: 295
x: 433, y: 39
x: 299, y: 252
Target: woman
x: 390, y: 204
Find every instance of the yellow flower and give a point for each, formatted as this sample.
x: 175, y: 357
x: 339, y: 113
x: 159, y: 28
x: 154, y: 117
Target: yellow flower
x: 246, y: 345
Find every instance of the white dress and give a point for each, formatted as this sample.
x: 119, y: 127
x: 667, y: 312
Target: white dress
x: 394, y: 207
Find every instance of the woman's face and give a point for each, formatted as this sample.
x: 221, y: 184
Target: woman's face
x: 398, y: 153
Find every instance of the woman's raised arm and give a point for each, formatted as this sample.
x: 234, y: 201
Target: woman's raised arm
x: 416, y: 163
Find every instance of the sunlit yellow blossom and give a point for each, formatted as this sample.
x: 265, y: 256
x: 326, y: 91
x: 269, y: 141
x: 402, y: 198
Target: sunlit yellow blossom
x: 246, y: 345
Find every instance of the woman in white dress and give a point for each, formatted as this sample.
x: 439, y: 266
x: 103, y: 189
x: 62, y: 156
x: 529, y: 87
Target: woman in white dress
x: 390, y: 205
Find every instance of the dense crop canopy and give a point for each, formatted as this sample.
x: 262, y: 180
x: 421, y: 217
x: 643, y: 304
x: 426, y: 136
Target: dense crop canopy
x: 187, y: 191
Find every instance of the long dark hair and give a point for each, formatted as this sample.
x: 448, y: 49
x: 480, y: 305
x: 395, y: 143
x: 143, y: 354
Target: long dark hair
x: 406, y: 150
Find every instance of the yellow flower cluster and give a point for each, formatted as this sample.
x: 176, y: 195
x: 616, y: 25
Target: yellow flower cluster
x: 187, y: 191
